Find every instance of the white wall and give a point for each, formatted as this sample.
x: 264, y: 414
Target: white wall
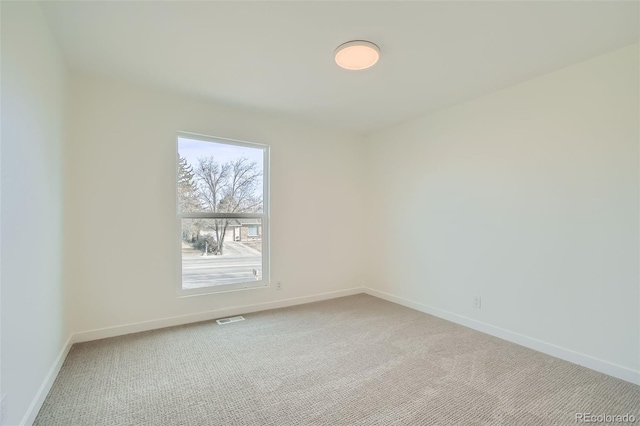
x: 122, y: 238
x: 33, y: 115
x: 527, y: 197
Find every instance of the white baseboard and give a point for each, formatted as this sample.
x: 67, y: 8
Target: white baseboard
x: 120, y: 330
x: 592, y: 363
x: 103, y: 333
x: 544, y: 347
x: 42, y: 393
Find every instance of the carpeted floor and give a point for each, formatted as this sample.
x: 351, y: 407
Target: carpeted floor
x: 356, y: 360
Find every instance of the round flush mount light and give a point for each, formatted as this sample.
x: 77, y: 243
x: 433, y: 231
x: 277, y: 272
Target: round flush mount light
x: 357, y: 54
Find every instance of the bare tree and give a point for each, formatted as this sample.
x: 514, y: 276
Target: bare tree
x: 228, y: 188
x: 240, y: 191
x: 212, y: 179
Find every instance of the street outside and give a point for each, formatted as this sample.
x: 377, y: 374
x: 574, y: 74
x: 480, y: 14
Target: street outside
x: 236, y: 265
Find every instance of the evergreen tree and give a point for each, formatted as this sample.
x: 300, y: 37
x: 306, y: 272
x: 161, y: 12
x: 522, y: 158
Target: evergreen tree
x: 187, y: 191
x: 188, y: 200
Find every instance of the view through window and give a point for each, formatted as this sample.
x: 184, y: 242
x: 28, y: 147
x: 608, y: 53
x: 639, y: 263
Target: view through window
x: 222, y: 202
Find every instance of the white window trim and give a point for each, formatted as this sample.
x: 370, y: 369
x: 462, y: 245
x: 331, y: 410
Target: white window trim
x: 264, y: 216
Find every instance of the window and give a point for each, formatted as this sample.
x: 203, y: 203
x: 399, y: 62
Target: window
x: 252, y: 230
x: 222, y: 200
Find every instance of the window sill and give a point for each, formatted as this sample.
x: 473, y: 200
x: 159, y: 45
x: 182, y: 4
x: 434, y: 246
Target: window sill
x: 224, y: 288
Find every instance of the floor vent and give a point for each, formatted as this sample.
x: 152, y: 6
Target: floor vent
x: 223, y: 321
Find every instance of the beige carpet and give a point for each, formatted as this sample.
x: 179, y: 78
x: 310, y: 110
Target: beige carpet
x: 356, y: 360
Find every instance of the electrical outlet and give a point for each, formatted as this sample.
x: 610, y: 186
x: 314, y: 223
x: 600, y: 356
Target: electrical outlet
x: 477, y: 302
x: 279, y: 285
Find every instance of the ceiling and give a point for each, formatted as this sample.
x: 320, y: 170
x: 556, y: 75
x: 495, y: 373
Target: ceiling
x: 278, y: 56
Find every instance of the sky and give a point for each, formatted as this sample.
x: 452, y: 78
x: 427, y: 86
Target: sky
x: 192, y: 149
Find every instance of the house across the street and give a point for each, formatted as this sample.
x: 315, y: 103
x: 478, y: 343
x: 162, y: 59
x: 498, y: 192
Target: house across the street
x: 245, y: 230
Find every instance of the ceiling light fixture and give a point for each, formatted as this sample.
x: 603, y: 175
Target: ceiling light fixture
x: 357, y: 54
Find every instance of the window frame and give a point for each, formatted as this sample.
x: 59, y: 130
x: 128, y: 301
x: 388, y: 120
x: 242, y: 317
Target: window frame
x: 265, y: 280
